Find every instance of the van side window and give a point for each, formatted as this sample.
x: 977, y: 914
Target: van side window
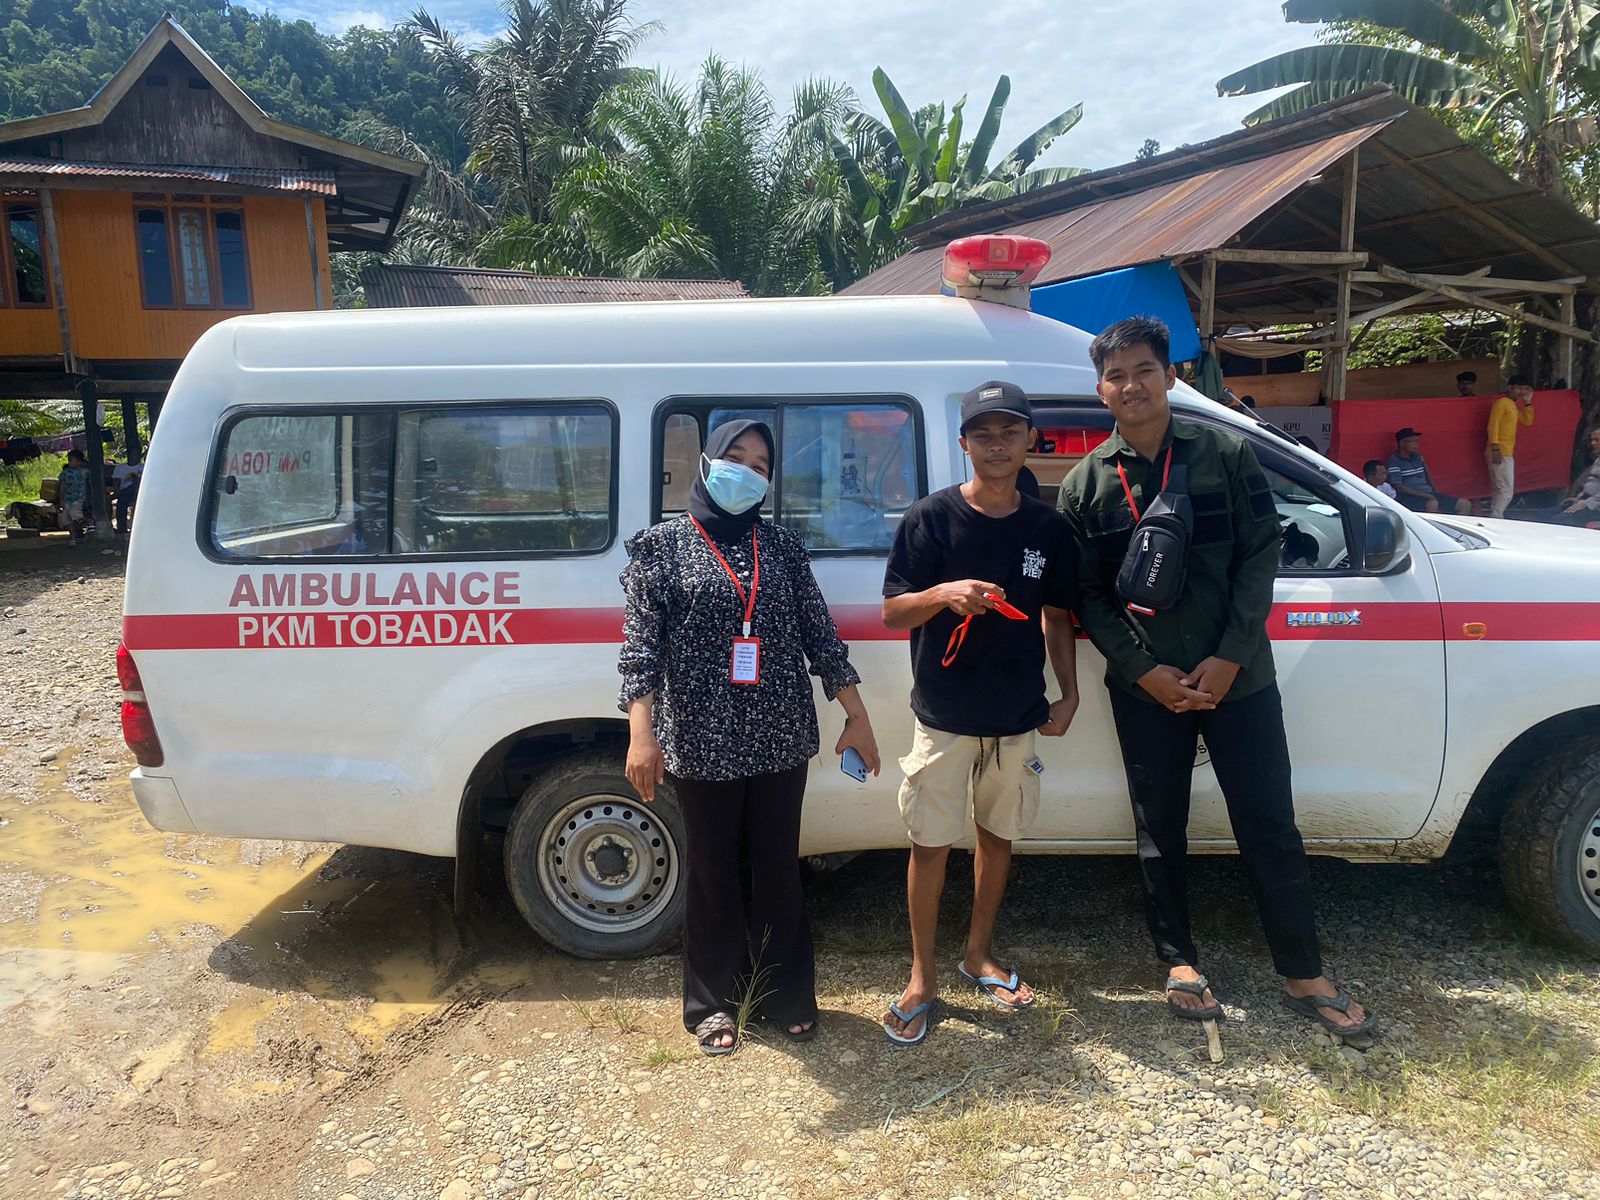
x: 302, y: 485
x: 849, y: 473
x: 846, y: 471
x: 506, y: 479
x: 535, y: 478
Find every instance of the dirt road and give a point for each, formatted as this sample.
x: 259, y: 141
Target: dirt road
x: 193, y: 1017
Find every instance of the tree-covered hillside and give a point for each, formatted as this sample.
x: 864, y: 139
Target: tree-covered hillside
x: 55, y: 54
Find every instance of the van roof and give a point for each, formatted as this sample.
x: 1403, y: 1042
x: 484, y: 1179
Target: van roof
x: 834, y: 330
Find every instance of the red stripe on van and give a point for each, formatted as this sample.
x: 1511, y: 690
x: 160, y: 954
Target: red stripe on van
x: 1388, y: 622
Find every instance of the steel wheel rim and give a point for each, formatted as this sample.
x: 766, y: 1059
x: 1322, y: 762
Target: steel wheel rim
x: 1588, y: 863
x: 607, y: 864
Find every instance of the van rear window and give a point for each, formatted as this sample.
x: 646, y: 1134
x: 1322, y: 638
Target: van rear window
x: 520, y: 479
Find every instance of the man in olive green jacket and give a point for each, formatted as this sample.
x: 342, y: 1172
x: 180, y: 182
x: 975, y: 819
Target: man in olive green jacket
x: 1201, y: 667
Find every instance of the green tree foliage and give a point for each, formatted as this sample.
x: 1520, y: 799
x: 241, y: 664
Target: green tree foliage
x: 55, y: 54
x: 1526, y: 70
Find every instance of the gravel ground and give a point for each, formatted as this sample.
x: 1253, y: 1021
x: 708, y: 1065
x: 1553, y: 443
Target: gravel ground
x: 319, y: 1026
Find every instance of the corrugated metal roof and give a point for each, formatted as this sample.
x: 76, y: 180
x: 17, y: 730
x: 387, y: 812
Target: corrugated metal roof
x: 273, y: 179
x: 395, y: 286
x: 1182, y: 216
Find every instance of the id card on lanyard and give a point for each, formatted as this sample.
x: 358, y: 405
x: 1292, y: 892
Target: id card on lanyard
x: 744, y: 666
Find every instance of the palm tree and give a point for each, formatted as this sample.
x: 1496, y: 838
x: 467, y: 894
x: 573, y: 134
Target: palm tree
x: 1527, y: 68
x: 526, y: 98
x: 917, y: 166
x: 701, y: 182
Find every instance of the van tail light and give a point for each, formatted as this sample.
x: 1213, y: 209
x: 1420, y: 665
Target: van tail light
x: 996, y: 267
x: 138, y: 726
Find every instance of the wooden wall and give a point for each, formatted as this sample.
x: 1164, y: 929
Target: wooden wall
x: 105, y: 304
x: 27, y: 332
x: 1415, y: 381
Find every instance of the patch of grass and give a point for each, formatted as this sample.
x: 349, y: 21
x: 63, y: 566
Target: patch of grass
x: 873, y: 936
x: 21, y: 482
x: 585, y: 1014
x: 1272, y: 1100
x: 753, y: 990
x: 626, y: 1015
x: 659, y: 1056
x: 1522, y: 1073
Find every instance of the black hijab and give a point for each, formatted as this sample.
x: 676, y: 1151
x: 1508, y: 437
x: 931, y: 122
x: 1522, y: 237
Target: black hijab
x: 719, y: 523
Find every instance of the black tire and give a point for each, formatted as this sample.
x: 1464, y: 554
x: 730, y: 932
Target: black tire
x: 1550, y: 848
x: 596, y: 872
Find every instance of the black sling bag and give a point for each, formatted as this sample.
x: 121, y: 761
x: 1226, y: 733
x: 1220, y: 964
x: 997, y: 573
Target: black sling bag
x: 1156, y: 562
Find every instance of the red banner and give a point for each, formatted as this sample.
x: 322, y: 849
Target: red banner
x: 1455, y: 434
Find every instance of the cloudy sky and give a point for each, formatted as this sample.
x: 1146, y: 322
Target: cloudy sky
x: 1142, y: 68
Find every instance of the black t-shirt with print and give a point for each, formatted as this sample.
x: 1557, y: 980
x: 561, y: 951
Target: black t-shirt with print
x: 996, y: 686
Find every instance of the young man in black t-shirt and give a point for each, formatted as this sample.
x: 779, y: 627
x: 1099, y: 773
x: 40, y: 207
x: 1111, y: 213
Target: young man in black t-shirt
x: 962, y: 558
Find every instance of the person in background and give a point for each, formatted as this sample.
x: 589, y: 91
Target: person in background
x: 963, y: 556
x: 1202, y: 668
x: 125, y: 478
x: 72, y: 494
x: 1513, y: 410
x: 1582, y: 507
x: 1467, y: 383
x: 1408, y: 473
x: 723, y: 614
x: 1378, y: 476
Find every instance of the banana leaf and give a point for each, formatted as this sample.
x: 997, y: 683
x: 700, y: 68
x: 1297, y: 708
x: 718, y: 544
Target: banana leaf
x: 1423, y: 21
x: 1415, y: 76
x: 912, y: 147
x: 1036, y: 143
x: 977, y: 164
x: 945, y: 168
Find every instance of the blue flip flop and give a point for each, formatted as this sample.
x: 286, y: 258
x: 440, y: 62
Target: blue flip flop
x: 908, y: 1017
x: 988, y: 983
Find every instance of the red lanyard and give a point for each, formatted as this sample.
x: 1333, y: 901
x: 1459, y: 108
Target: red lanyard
x: 1128, y: 491
x: 749, y: 601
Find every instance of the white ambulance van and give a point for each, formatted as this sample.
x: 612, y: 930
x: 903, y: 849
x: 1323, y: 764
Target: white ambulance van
x: 372, y: 597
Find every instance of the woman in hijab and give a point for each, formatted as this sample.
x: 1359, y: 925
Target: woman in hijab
x: 723, y: 614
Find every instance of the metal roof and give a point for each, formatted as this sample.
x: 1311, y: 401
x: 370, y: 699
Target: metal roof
x: 388, y: 285
x: 255, y: 178
x: 1184, y: 216
x: 1427, y: 202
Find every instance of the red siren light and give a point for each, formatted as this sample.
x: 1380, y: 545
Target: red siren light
x: 994, y: 267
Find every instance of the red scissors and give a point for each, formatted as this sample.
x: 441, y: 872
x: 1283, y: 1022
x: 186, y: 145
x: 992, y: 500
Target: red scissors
x: 959, y: 635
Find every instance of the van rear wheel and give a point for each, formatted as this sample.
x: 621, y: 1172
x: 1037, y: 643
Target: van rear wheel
x: 596, y: 872
x: 1550, y: 848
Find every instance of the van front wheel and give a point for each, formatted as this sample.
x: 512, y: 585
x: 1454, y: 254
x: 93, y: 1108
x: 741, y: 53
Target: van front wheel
x: 1550, y: 848
x: 596, y: 872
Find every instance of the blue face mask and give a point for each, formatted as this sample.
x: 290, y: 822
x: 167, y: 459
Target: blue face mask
x: 733, y: 487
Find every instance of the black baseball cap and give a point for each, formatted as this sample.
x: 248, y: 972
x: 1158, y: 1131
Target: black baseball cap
x: 995, y: 396
x: 1408, y: 432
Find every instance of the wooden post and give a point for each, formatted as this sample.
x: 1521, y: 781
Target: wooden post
x: 52, y: 240
x: 1569, y: 316
x: 316, y: 259
x: 1338, y: 358
x: 1208, y: 304
x: 130, y: 429
x: 95, y: 450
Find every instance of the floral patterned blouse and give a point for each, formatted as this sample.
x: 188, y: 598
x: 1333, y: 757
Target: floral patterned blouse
x: 682, y: 617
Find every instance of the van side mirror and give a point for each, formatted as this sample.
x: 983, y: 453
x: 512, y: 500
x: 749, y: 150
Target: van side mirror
x: 1385, y: 541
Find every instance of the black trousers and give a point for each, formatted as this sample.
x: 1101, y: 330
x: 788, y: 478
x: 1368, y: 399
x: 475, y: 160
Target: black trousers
x: 1250, y: 754
x: 746, y: 832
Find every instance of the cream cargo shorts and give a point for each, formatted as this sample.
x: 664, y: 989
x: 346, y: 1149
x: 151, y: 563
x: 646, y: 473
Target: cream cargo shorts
x: 948, y: 775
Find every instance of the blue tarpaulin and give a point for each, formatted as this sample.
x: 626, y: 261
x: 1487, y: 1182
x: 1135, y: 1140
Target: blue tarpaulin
x: 1152, y: 290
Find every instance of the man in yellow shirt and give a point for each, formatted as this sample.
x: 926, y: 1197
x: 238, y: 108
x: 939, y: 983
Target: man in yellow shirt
x: 1509, y: 412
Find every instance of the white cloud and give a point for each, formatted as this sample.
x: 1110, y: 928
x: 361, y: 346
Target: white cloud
x: 1141, y: 68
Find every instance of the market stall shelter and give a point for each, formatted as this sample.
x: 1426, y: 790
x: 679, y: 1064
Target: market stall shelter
x: 167, y: 203
x: 1324, y: 222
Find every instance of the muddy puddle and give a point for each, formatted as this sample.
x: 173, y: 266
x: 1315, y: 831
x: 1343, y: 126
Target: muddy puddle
x: 244, y: 969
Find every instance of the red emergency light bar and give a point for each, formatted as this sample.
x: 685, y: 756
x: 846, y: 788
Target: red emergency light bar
x: 999, y: 266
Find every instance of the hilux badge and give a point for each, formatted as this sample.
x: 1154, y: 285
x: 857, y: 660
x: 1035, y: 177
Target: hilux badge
x: 1305, y: 619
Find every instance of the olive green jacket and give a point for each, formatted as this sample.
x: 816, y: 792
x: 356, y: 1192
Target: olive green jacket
x: 1233, y: 558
